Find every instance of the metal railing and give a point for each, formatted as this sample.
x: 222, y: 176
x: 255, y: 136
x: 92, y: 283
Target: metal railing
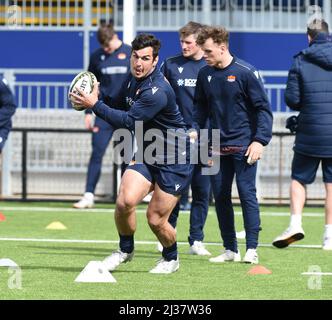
x: 25, y: 168
x: 272, y: 181
x: 236, y: 15
x: 53, y: 94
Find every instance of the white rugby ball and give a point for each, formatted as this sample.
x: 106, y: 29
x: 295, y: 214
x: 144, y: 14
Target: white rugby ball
x: 85, y: 80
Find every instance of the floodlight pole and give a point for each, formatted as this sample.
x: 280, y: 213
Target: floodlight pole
x: 327, y: 11
x: 129, y: 21
x: 86, y: 33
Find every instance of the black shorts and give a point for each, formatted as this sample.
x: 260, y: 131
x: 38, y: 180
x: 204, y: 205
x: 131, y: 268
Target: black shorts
x: 172, y: 179
x: 304, y: 168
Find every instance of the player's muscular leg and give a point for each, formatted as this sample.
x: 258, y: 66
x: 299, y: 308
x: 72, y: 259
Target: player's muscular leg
x: 160, y: 207
x: 134, y: 187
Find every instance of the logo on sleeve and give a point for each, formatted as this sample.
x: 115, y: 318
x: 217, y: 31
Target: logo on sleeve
x: 209, y: 78
x: 180, y: 69
x: 177, y: 186
x: 154, y: 90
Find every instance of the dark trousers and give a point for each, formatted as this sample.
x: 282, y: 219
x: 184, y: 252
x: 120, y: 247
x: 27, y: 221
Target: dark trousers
x: 200, y: 186
x: 245, y: 175
x: 100, y: 141
x: 185, y: 196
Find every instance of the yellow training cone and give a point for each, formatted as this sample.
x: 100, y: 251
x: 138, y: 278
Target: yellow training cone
x: 56, y: 225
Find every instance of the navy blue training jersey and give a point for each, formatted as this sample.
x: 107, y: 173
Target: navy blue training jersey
x: 111, y: 70
x: 151, y: 101
x: 182, y: 74
x: 235, y: 101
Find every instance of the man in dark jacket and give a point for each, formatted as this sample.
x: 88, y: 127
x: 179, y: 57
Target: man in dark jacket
x: 309, y: 90
x: 7, y: 110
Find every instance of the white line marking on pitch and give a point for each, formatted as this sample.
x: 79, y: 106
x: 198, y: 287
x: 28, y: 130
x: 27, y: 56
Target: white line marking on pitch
x: 136, y: 242
x: 317, y: 273
x: 111, y: 210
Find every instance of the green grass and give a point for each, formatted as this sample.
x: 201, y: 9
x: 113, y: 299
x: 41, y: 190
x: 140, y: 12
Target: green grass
x: 50, y: 268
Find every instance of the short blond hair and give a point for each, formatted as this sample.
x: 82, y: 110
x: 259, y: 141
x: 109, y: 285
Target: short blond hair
x: 191, y: 28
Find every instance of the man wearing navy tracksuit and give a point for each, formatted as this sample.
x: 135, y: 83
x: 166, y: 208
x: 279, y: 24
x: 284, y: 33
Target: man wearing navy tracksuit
x: 110, y: 64
x: 7, y: 110
x: 230, y: 93
x: 181, y: 71
x: 152, y: 113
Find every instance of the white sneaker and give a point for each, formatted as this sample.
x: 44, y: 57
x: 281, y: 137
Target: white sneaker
x: 251, y: 256
x: 327, y: 243
x: 228, y: 255
x: 198, y: 249
x: 291, y: 235
x: 164, y: 266
x: 85, y: 202
x: 160, y: 247
x: 116, y: 258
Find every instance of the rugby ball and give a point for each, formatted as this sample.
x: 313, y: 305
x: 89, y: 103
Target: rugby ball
x: 85, y: 80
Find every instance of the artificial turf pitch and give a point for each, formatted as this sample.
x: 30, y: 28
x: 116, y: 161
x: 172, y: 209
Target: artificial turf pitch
x: 50, y: 260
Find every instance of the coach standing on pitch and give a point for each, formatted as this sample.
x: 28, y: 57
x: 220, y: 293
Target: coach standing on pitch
x: 309, y: 90
x: 230, y: 92
x: 151, y: 102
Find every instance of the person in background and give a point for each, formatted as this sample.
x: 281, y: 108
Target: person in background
x: 230, y: 93
x: 309, y: 91
x: 181, y: 71
x: 110, y: 64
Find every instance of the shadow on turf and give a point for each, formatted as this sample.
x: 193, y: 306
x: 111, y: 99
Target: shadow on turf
x: 74, y: 269
x: 89, y: 251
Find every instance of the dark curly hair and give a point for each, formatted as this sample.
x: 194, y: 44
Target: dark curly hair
x: 145, y: 40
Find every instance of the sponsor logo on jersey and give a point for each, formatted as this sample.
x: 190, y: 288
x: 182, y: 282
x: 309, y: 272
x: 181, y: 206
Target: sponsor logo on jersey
x: 102, y: 57
x: 209, y: 78
x: 231, y: 78
x: 177, y: 186
x: 186, y: 82
x: 114, y: 70
x: 122, y: 56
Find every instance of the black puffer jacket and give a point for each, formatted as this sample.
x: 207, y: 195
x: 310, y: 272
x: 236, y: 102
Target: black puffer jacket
x: 309, y: 90
x: 7, y: 109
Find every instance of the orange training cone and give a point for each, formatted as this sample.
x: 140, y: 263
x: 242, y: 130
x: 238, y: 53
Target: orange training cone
x: 259, y: 270
x: 2, y: 217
